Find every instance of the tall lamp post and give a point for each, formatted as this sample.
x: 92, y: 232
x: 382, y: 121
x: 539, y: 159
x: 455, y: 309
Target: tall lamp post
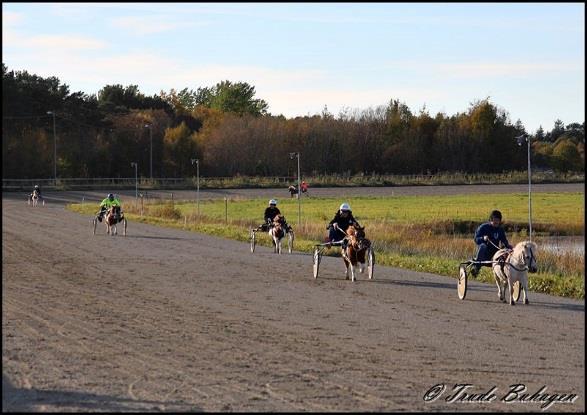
x: 54, y: 147
x: 136, y: 166
x: 197, y: 161
x: 150, y: 127
x: 520, y: 140
x: 291, y: 157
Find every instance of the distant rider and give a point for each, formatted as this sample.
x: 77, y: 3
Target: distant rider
x: 38, y: 190
x: 107, y: 203
x: 304, y: 186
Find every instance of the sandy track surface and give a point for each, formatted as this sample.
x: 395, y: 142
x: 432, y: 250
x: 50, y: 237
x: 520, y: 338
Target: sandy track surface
x: 168, y: 320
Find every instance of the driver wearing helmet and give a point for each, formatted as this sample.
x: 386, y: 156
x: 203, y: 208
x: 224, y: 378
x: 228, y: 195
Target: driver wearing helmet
x: 270, y: 212
x: 488, y: 237
x: 337, y: 227
x: 107, y: 203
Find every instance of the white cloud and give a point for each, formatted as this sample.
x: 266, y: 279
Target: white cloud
x: 146, y: 25
x: 11, y: 18
x: 61, y: 42
x: 496, y: 69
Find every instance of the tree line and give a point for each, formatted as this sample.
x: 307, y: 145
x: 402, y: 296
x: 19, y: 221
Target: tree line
x: 232, y: 133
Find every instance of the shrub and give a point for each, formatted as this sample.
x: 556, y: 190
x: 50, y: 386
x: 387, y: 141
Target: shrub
x: 167, y: 211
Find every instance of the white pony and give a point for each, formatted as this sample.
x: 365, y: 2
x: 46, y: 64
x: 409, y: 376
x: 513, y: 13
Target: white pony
x: 514, y: 266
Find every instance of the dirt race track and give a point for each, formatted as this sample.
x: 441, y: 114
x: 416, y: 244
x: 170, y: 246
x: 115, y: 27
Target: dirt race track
x: 168, y: 320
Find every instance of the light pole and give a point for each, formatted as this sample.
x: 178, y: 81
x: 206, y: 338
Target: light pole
x: 291, y: 157
x: 136, y: 166
x: 54, y: 147
x: 520, y: 140
x: 150, y: 127
x: 197, y: 161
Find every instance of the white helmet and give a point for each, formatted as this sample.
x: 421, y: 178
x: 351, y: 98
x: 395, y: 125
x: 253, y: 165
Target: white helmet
x: 345, y: 206
x: 273, y: 202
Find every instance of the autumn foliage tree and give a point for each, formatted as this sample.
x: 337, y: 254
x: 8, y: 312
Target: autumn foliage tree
x: 231, y: 132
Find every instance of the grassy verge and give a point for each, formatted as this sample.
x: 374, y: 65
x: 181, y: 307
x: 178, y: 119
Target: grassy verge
x: 423, y: 233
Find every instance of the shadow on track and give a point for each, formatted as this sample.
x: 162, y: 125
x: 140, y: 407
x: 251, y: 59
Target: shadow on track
x: 26, y: 400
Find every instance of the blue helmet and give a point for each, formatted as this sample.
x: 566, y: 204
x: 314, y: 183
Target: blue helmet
x: 110, y: 196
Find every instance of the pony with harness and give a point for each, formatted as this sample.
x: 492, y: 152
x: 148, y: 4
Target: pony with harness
x: 511, y: 267
x: 34, y: 198
x: 355, y: 252
x: 113, y: 217
x: 277, y: 232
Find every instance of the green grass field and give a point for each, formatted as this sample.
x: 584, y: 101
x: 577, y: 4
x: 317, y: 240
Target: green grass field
x: 423, y: 233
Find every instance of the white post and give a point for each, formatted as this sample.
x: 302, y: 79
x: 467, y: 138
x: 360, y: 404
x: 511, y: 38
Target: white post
x: 197, y: 161
x: 136, y: 180
x: 291, y: 156
x: 520, y: 139
x: 150, y: 127
x: 151, y: 135
x: 529, y: 193
x: 54, y: 147
x: 299, y: 193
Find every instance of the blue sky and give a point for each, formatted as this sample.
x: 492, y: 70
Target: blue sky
x: 529, y: 58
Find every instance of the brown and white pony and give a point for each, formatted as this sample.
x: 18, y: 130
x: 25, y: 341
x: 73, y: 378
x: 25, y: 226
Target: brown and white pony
x: 113, y: 216
x: 277, y: 232
x: 511, y: 267
x: 34, y: 198
x: 354, y: 253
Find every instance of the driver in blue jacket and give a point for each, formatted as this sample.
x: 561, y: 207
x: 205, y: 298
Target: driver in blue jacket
x: 488, y: 237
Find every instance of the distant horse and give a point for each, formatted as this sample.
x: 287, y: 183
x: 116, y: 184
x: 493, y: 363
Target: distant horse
x: 292, y: 191
x: 277, y: 232
x: 114, y: 216
x: 34, y: 198
x: 513, y: 266
x: 356, y: 248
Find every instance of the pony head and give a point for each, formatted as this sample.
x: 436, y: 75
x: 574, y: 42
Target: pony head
x: 356, y: 237
x: 525, y: 252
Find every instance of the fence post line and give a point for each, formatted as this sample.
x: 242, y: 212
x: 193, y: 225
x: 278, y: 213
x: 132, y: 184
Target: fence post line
x: 225, y: 210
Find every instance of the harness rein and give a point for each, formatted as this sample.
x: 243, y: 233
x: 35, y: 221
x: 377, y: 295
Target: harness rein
x: 505, y: 262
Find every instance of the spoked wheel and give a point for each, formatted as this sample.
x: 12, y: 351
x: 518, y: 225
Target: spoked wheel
x: 317, y: 258
x: 462, y: 283
x: 125, y: 224
x: 516, y: 294
x: 94, y: 224
x: 252, y: 237
x: 290, y: 241
x: 370, y: 262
